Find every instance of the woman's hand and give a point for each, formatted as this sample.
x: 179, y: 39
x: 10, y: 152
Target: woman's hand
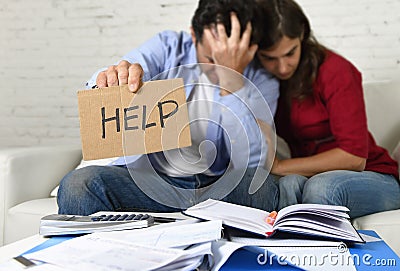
x: 334, y: 159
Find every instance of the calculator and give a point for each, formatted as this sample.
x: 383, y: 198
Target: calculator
x: 57, y: 224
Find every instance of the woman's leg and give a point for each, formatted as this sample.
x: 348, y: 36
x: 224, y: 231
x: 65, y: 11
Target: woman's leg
x: 363, y: 193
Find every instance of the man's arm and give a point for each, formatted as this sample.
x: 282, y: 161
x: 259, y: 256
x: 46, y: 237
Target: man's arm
x: 239, y: 115
x: 142, y: 63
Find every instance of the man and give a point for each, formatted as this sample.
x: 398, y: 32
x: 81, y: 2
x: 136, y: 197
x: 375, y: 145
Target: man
x: 227, y: 95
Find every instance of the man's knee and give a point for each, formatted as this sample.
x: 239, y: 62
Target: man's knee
x: 256, y: 188
x: 76, y: 188
x: 79, y: 178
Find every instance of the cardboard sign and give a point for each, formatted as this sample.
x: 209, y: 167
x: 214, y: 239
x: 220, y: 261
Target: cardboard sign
x: 115, y: 122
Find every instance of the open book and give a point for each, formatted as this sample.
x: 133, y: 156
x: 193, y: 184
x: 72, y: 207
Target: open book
x: 321, y: 221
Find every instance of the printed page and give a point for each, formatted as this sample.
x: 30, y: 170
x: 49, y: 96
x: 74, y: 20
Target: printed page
x: 222, y: 250
x: 90, y: 253
x: 99, y: 251
x: 12, y: 265
x: 192, y: 260
x: 242, y: 217
x: 165, y: 235
x: 271, y: 242
x: 345, y: 232
x: 317, y: 219
x: 342, y: 229
x: 104, y: 255
x: 312, y: 208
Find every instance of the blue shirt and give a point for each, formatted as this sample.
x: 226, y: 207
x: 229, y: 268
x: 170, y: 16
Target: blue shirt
x: 235, y: 113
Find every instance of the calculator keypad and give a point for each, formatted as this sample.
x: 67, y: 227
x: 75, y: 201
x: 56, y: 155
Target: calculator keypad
x: 124, y: 217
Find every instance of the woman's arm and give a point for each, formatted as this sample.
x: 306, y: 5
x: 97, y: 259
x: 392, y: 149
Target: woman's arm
x: 334, y: 159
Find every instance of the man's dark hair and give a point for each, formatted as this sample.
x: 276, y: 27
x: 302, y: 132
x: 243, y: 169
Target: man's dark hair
x: 211, y: 12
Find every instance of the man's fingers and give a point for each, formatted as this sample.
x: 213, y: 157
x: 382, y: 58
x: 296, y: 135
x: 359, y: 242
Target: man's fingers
x: 135, y: 77
x: 222, y: 36
x: 235, y: 27
x: 101, y: 80
x: 123, y: 73
x: 112, y: 77
x: 208, y: 36
x: 245, y: 41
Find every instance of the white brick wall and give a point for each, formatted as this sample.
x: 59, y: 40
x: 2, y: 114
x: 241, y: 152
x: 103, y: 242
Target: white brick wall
x: 49, y: 48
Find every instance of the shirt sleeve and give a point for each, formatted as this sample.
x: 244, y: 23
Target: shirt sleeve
x: 340, y: 85
x: 257, y: 100
x: 155, y: 55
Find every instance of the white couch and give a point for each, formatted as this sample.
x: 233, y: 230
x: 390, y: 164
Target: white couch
x: 28, y: 175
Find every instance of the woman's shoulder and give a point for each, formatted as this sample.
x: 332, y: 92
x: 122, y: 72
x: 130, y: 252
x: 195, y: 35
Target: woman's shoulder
x: 335, y: 67
x: 337, y: 74
x: 336, y: 62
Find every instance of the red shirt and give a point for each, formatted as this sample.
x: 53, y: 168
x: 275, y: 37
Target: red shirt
x: 333, y: 117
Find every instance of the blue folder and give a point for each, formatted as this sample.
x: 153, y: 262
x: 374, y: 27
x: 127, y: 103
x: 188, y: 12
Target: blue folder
x: 372, y: 256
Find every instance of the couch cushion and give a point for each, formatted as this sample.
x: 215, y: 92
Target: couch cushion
x: 385, y: 224
x: 383, y: 124
x: 36, y: 207
x: 23, y: 219
x: 396, y: 154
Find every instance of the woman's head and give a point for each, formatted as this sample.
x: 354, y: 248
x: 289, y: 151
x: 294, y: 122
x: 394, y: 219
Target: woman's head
x: 283, y: 58
x: 285, y: 27
x: 287, y: 48
x: 282, y: 18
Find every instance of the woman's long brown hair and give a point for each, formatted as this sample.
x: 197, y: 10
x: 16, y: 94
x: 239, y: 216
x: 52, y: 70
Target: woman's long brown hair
x: 280, y: 18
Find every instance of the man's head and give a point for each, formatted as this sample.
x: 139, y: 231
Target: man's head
x: 211, y: 12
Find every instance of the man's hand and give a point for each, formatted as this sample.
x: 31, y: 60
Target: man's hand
x: 234, y: 52
x: 122, y: 74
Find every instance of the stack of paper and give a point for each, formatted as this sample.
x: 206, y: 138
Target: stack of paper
x: 183, y: 245
x: 155, y: 248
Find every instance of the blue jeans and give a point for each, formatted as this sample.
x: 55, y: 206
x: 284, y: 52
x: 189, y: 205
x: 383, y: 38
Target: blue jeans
x: 363, y: 193
x: 112, y: 188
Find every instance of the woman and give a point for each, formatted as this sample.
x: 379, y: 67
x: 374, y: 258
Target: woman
x: 321, y: 115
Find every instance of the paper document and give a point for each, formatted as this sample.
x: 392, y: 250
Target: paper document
x: 165, y: 235
x: 12, y: 265
x: 222, y: 250
x: 369, y: 238
x: 262, y: 242
x: 149, y: 249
